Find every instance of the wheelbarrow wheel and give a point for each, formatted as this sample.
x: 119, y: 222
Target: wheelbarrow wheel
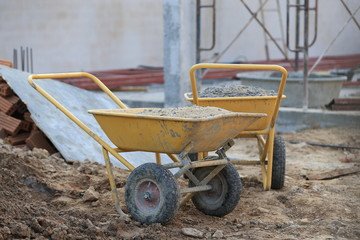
x: 152, y: 194
x: 225, y: 192
x: 279, y: 161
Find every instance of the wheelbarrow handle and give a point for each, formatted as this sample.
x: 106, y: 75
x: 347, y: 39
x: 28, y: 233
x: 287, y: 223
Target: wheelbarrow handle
x: 76, y: 75
x: 241, y: 67
x: 72, y: 116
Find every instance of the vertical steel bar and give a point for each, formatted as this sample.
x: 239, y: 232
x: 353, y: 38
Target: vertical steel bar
x: 22, y: 54
x: 266, y: 43
x: 31, y: 61
x: 15, y: 60
x: 27, y: 59
x: 297, y: 35
x: 305, y: 51
x: 198, y: 41
x: 281, y: 25
x: 198, y: 31
x: 315, y: 9
x: 213, y: 35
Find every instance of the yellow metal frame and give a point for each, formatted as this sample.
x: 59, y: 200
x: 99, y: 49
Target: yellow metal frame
x: 113, y: 151
x: 265, y: 145
x: 106, y: 148
x: 184, y: 163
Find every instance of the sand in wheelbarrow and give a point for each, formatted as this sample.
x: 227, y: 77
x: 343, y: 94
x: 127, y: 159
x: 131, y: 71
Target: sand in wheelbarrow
x: 186, y: 112
x: 235, y: 90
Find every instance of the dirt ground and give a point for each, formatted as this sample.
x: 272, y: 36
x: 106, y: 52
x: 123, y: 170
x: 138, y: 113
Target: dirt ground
x: 43, y: 197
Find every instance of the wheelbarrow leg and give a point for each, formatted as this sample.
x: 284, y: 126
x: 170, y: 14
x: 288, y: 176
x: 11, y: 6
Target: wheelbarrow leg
x: 266, y: 150
x: 114, y: 192
x: 271, y: 136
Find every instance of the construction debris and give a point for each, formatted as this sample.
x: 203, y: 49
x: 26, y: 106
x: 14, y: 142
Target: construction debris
x: 71, y: 141
x: 344, y: 104
x: 16, y: 125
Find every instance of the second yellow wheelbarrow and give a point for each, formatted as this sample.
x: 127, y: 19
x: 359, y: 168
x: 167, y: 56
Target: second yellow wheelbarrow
x: 152, y: 193
x: 271, y: 147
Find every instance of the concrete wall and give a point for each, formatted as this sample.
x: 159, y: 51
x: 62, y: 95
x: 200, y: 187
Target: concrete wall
x: 73, y: 35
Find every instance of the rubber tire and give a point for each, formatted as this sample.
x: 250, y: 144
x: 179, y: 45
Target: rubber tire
x: 279, y: 162
x: 167, y: 201
x: 226, y: 198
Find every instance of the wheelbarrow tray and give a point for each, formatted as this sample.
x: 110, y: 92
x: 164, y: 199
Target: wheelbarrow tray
x: 260, y: 104
x: 131, y: 131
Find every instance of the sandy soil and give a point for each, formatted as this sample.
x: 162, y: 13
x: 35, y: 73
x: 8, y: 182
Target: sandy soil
x: 43, y: 197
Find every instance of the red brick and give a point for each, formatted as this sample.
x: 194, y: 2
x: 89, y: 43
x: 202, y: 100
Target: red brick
x: 27, y: 117
x: 25, y: 125
x: 5, y: 90
x: 37, y: 139
x: 21, y: 108
x: 11, y: 125
x: 18, y: 139
x: 6, y: 63
x: 14, y: 100
x: 21, y: 146
x: 3, y: 134
x: 6, y: 106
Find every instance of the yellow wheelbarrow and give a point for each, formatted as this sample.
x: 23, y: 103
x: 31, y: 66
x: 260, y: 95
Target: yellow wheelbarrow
x: 152, y: 193
x: 271, y: 147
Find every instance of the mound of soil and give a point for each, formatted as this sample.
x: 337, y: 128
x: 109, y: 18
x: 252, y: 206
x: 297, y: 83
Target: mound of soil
x: 44, y: 197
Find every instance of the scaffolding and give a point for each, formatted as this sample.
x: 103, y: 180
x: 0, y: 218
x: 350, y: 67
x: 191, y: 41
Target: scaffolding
x: 298, y: 13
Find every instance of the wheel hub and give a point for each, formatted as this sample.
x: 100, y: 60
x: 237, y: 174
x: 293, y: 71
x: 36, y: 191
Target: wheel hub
x: 147, y: 196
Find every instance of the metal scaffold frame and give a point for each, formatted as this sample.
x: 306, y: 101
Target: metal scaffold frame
x: 303, y: 9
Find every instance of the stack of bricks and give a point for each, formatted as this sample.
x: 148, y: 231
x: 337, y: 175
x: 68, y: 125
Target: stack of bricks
x: 16, y: 126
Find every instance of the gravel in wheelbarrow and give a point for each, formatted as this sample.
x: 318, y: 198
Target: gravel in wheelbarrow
x: 234, y: 90
x: 170, y: 130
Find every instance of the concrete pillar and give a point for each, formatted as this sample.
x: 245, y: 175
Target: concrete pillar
x: 179, y: 49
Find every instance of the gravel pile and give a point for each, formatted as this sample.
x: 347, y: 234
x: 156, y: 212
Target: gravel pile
x: 237, y: 90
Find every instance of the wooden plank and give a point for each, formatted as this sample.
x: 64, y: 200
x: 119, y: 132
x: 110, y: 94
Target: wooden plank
x: 343, y: 107
x: 351, y: 101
